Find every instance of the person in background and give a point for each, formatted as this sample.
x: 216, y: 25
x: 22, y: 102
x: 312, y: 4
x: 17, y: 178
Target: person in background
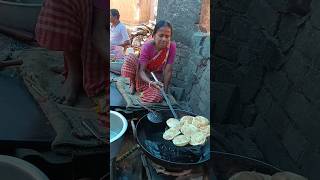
x: 118, y: 31
x: 156, y: 56
x: 76, y: 27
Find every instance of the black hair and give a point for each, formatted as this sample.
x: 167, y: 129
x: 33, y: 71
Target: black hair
x: 161, y: 24
x: 115, y: 13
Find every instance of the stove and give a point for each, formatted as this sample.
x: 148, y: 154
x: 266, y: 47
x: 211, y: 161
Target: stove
x: 154, y: 171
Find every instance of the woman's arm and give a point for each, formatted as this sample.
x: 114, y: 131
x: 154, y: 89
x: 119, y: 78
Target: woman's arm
x: 143, y: 75
x: 99, y: 37
x: 167, y: 76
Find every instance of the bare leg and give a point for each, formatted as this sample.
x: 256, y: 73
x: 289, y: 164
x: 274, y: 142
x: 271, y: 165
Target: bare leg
x: 132, y: 87
x: 72, y: 85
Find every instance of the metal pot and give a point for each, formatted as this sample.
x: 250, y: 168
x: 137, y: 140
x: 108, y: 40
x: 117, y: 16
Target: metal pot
x: 118, y: 126
x: 17, y: 169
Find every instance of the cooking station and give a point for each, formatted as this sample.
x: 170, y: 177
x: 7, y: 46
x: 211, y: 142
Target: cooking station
x: 135, y: 160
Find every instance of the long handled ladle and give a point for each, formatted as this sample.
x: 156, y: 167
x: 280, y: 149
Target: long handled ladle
x: 165, y: 97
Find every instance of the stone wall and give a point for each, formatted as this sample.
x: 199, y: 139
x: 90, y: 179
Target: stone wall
x: 184, y: 16
x: 267, y: 73
x: 191, y: 74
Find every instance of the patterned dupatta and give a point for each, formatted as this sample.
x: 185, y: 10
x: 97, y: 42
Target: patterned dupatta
x: 159, y: 60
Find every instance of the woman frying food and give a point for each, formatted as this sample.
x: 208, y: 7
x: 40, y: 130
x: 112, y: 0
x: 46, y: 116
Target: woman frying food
x: 156, y: 56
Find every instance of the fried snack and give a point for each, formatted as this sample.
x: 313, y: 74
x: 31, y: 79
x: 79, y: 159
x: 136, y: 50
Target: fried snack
x: 197, y: 138
x: 186, y: 120
x: 188, y: 129
x: 181, y: 140
x: 200, y: 121
x: 205, y: 130
x: 172, y: 122
x: 170, y: 133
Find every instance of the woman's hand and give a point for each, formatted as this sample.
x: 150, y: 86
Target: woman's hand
x: 157, y: 85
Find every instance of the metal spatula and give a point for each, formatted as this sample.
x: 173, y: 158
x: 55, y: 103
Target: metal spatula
x: 152, y: 116
x: 165, y: 97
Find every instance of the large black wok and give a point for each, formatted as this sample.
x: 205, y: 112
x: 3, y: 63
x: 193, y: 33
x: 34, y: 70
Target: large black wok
x: 223, y: 165
x: 163, y: 152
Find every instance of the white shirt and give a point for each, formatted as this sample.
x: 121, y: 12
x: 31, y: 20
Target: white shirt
x: 118, y: 34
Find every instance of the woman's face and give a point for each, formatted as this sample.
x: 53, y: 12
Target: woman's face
x: 162, y: 37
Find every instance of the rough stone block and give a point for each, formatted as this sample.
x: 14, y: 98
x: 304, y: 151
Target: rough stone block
x: 257, y: 39
x: 196, y: 60
x: 305, y: 115
x: 205, y: 50
x: 177, y: 93
x: 178, y: 83
x: 239, y: 6
x: 277, y: 119
x: 240, y: 28
x: 203, y: 107
x: 278, y: 5
x: 295, y: 142
x: 307, y: 43
x: 296, y: 67
x: 299, y: 7
x: 205, y: 95
x: 278, y: 84
x: 226, y: 48
x: 224, y: 71
x: 247, y: 56
x: 183, y: 15
x: 271, y: 55
x: 311, y: 165
x: 223, y: 96
x: 311, y: 85
x: 271, y: 147
x: 250, y: 83
x: 198, y: 39
x: 264, y: 15
x: 220, y: 20
x: 287, y: 31
x: 249, y: 113
x: 263, y: 101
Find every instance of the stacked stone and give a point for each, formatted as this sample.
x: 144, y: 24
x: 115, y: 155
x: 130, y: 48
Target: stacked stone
x: 266, y: 56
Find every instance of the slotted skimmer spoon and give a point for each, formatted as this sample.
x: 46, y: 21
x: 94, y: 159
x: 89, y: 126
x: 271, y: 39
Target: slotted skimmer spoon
x: 165, y: 97
x: 152, y: 116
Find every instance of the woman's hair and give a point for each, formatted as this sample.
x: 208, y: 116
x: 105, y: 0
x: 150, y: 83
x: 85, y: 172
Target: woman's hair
x: 161, y: 24
x: 115, y: 13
